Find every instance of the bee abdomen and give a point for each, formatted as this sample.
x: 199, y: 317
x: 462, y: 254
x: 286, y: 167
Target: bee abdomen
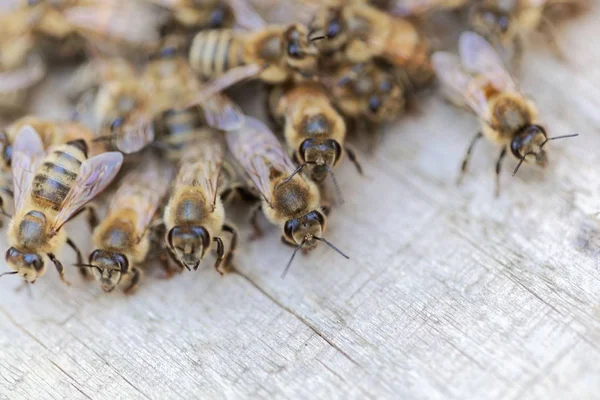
x: 214, y: 52
x: 57, y: 174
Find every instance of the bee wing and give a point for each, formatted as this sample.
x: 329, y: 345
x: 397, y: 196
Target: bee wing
x: 458, y: 85
x: 28, y: 152
x: 246, y: 16
x: 94, y: 176
x: 128, y: 21
x: 408, y: 8
x: 230, y: 78
x: 137, y: 133
x: 142, y: 191
x: 258, y: 151
x: 533, y: 3
x: 202, y: 165
x: 24, y: 77
x: 222, y: 113
x: 479, y: 58
x: 287, y: 12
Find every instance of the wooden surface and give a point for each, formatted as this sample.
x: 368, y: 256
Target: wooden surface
x: 449, y: 293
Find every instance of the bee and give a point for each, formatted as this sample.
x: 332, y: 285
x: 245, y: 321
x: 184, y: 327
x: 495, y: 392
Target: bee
x: 288, y: 199
x: 282, y: 52
x: 194, y: 14
x: 166, y: 107
x: 122, y: 241
x: 479, y: 81
x: 52, y: 133
x: 369, y: 91
x: 505, y: 23
x: 48, y: 192
x: 313, y: 129
x: 359, y: 33
x: 195, y: 216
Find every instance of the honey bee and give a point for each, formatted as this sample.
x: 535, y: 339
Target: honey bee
x: 48, y: 192
x: 367, y: 90
x: 288, y: 199
x: 313, y: 129
x: 122, y: 241
x: 52, y: 133
x: 359, y: 32
x: 194, y: 14
x: 167, y: 107
x: 194, y: 216
x: 282, y: 52
x: 479, y: 81
x: 505, y: 23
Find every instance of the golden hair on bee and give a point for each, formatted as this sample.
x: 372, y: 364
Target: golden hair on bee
x: 313, y: 129
x: 194, y: 216
x: 479, y: 81
x: 65, y: 180
x: 122, y: 241
x: 288, y: 200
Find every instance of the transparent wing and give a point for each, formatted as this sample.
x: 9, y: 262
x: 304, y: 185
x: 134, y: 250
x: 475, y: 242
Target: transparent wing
x: 245, y: 16
x: 533, y: 3
x: 230, y: 78
x: 459, y: 86
x: 28, y: 152
x: 142, y: 191
x: 259, y: 152
x: 24, y: 77
x: 479, y: 57
x: 94, y: 176
x: 201, y: 165
x: 222, y: 113
x: 136, y: 134
x: 406, y: 8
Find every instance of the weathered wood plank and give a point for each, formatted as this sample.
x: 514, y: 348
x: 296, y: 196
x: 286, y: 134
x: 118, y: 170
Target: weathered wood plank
x: 449, y: 293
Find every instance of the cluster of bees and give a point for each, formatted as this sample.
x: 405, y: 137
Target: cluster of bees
x: 151, y: 82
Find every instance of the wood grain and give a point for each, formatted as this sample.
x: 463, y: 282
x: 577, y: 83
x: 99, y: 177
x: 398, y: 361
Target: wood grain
x: 450, y: 293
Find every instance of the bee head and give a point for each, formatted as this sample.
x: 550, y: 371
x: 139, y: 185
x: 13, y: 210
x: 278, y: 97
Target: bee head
x: 329, y: 29
x: 493, y: 23
x: 5, y: 149
x: 386, y: 101
x: 188, y: 244
x: 304, y: 230
x: 320, y: 156
x: 29, y: 266
x: 300, y: 53
x: 528, y: 145
x: 108, y: 268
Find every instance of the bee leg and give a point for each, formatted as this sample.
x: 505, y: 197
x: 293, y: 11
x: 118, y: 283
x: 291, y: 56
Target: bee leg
x: 232, y: 246
x: 83, y: 271
x: 92, y: 218
x: 220, y: 255
x: 517, y: 54
x: 258, y: 232
x: 59, y: 268
x: 498, y: 168
x: 549, y: 31
x: 134, y: 280
x: 465, y: 162
x: 352, y: 157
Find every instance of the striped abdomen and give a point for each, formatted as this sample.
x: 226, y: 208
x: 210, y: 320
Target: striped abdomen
x: 57, y: 174
x: 177, y: 129
x: 214, y: 52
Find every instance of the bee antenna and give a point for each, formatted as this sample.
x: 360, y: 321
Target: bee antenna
x: 559, y: 137
x: 317, y: 38
x: 289, y: 264
x: 8, y: 273
x: 328, y: 243
x: 338, y: 191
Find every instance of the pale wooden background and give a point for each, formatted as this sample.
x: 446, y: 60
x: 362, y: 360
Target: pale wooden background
x: 449, y: 293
